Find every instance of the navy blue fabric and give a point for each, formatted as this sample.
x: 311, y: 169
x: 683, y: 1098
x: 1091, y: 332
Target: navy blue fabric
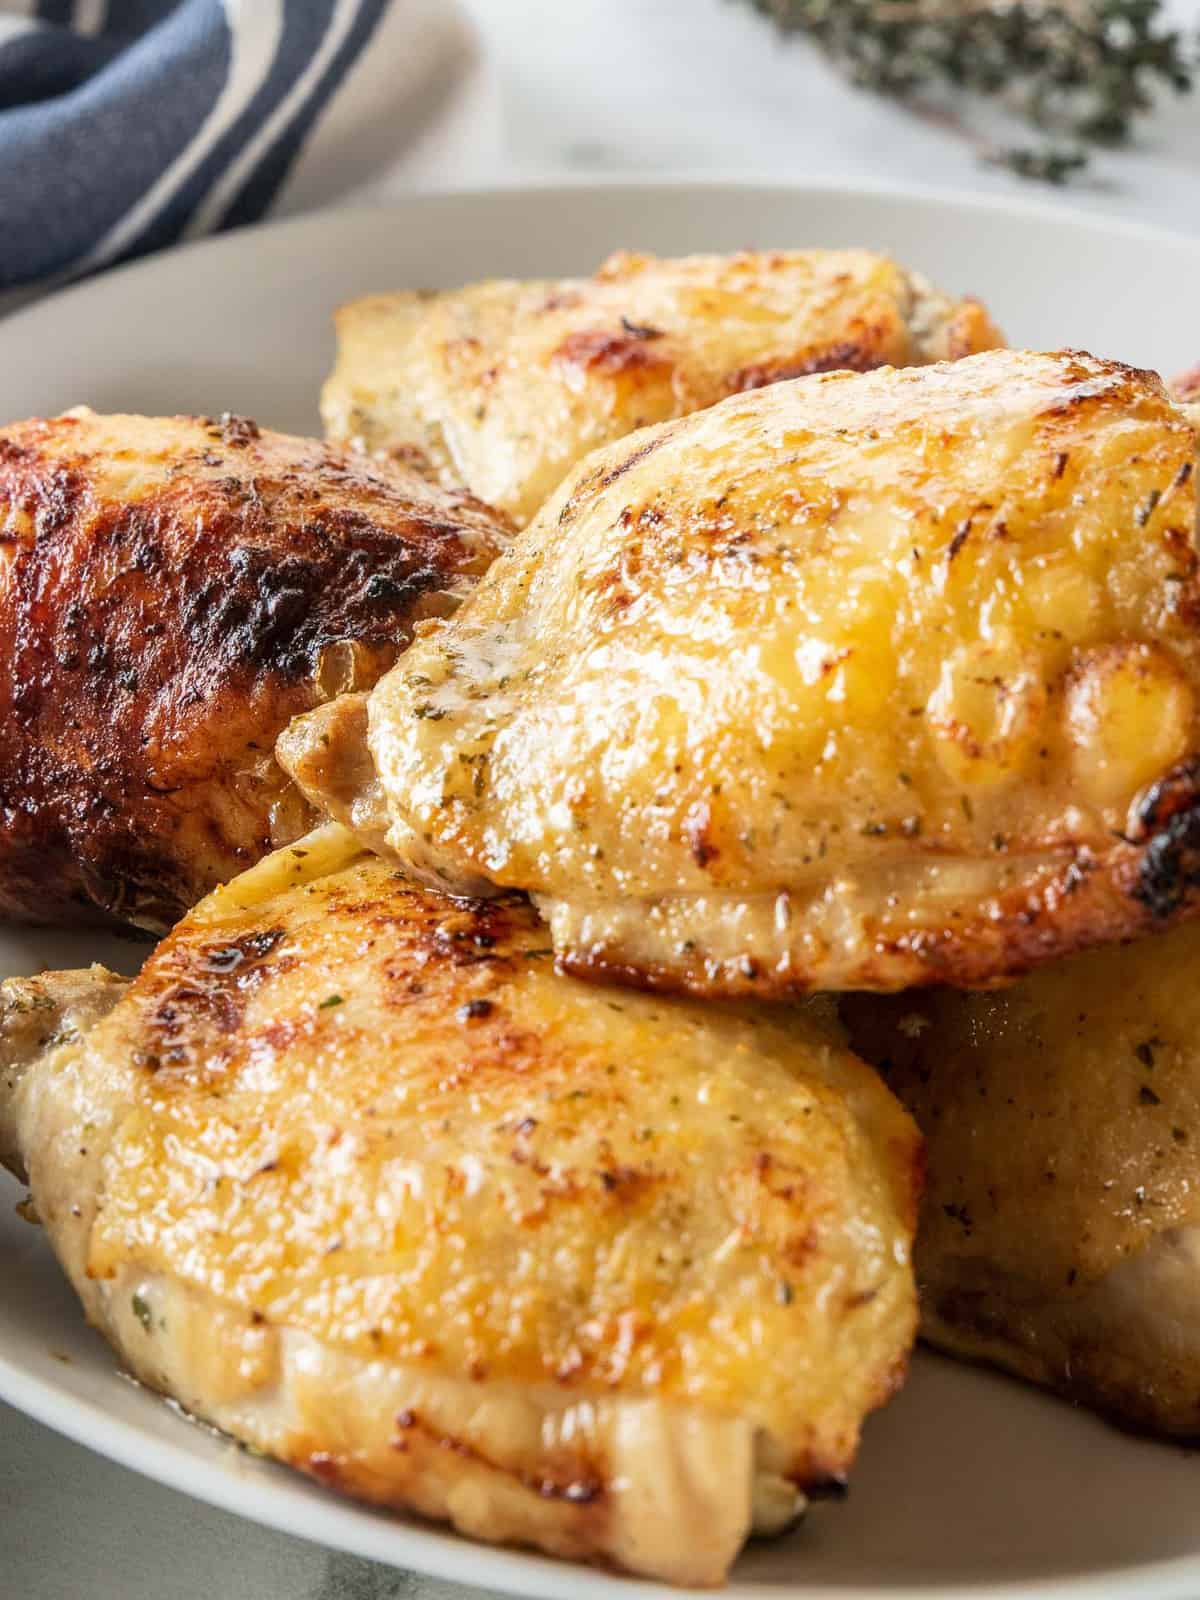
x: 30, y: 72
x: 269, y: 173
x: 111, y: 140
x: 304, y: 27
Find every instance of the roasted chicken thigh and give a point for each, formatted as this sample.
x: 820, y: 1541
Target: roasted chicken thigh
x: 172, y: 591
x: 1061, y: 1234
x: 857, y: 681
x: 353, y: 1173
x: 504, y: 386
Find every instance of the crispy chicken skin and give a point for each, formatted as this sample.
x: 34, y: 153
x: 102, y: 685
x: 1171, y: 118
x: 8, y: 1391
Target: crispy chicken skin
x: 1061, y: 1234
x: 504, y: 386
x: 860, y: 681
x: 352, y: 1172
x: 172, y: 591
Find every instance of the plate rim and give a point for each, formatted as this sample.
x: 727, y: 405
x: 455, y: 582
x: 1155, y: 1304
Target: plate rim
x: 320, y: 1517
x: 439, y: 1551
x: 1018, y: 207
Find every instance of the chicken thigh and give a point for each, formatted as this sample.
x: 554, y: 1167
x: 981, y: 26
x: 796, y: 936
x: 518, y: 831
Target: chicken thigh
x: 353, y: 1173
x: 1061, y: 1234
x: 504, y: 386
x: 172, y: 591
x: 858, y: 681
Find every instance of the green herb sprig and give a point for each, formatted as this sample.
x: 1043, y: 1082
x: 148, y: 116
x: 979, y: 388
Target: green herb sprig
x: 1079, y: 71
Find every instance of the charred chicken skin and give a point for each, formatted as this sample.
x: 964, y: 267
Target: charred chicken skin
x: 172, y: 591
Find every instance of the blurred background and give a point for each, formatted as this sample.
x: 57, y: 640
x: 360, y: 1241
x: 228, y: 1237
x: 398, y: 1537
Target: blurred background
x: 633, y: 86
x: 130, y: 125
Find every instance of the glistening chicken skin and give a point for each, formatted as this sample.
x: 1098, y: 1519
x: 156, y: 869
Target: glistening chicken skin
x: 856, y: 681
x: 353, y: 1173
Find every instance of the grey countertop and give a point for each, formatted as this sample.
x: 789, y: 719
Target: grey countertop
x: 76, y: 1527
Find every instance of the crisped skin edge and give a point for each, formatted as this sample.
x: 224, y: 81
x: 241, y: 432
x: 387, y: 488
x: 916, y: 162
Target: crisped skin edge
x: 1075, y: 901
x: 1069, y: 901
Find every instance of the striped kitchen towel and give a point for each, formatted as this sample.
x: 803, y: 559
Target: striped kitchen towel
x: 127, y: 125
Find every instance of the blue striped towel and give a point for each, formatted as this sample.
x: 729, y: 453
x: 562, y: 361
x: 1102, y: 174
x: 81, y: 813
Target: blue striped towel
x: 126, y: 125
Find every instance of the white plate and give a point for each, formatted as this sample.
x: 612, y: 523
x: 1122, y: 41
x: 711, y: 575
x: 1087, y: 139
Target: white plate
x: 969, y: 1484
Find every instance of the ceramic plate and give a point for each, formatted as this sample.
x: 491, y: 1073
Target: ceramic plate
x: 969, y: 1484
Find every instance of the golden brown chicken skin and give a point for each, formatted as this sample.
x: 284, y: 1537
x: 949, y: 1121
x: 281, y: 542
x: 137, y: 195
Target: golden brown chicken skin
x: 505, y: 385
x: 859, y: 681
x: 1061, y: 1234
x: 172, y: 591
x: 353, y: 1173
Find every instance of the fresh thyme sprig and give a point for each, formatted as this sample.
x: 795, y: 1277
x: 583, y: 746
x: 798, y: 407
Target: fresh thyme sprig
x: 1081, y: 71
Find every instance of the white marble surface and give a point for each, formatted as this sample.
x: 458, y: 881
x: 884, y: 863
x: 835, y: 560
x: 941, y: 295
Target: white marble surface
x: 531, y: 88
x: 612, y: 86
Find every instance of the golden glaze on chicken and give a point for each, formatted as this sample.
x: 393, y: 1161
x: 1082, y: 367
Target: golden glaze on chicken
x: 859, y: 681
x: 172, y: 591
x: 1061, y: 1233
x: 504, y: 386
x: 352, y: 1172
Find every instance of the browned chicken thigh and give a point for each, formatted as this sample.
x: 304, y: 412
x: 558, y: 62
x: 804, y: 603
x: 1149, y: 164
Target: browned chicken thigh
x: 172, y: 591
x: 352, y: 1172
x: 1061, y: 1234
x: 858, y: 681
x: 504, y: 386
